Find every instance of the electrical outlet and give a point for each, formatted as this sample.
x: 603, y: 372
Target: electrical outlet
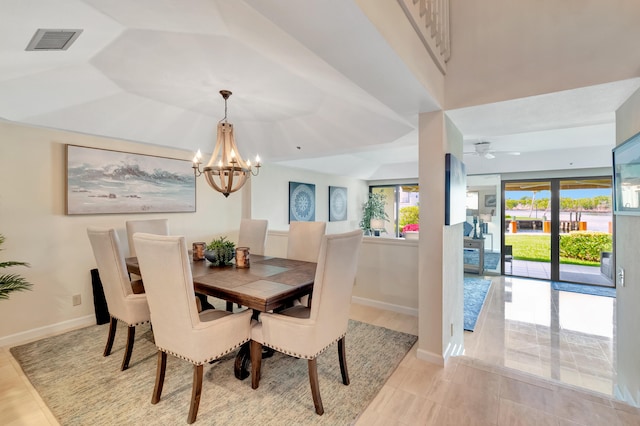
x: 76, y: 299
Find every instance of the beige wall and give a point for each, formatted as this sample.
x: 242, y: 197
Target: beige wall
x: 32, y: 218
x: 627, y: 229
x: 32, y: 189
x: 503, y: 50
x: 270, y: 197
x: 440, y: 253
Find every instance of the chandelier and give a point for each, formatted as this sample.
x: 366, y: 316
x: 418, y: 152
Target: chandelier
x: 226, y: 171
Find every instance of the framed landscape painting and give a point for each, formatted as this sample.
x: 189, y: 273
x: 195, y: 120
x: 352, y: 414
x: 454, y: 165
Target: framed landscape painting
x: 102, y: 181
x: 337, y: 203
x: 302, y: 202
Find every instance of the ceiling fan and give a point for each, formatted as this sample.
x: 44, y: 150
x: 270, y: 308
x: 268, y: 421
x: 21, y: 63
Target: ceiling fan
x: 483, y: 149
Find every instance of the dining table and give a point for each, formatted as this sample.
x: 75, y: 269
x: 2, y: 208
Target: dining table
x: 268, y: 284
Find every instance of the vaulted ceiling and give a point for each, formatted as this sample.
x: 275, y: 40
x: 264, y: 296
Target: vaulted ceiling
x: 315, y: 85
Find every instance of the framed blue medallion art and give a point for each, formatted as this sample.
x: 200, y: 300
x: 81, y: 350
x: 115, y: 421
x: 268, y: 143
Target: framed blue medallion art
x: 302, y: 202
x: 337, y: 203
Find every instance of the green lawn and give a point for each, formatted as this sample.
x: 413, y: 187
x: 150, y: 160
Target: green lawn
x: 537, y: 248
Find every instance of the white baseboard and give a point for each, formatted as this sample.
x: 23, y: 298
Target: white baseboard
x: 49, y: 330
x: 384, y: 305
x: 430, y: 357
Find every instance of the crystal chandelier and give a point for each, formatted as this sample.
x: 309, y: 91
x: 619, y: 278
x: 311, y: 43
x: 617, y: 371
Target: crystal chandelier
x: 226, y: 171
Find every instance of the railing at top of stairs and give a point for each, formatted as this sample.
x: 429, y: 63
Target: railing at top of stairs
x: 430, y: 19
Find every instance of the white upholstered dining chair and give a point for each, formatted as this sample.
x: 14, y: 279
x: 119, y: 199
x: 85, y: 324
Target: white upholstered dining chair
x: 305, y: 332
x: 122, y: 302
x: 178, y: 328
x: 304, y: 240
x: 253, y: 234
x: 304, y: 243
x: 148, y: 226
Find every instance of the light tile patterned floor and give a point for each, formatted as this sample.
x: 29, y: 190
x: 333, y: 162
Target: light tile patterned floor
x: 536, y: 358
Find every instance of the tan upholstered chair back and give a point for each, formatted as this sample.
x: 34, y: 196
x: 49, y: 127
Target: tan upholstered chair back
x: 304, y: 240
x: 150, y: 226
x: 122, y: 303
x: 253, y: 234
x: 333, y: 284
x: 177, y: 327
x: 328, y: 318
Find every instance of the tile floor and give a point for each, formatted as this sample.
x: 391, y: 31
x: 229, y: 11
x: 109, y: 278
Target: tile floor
x: 535, y: 358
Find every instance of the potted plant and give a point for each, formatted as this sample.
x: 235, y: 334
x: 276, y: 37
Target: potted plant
x: 373, y: 210
x: 411, y: 231
x: 220, y: 251
x: 11, y: 282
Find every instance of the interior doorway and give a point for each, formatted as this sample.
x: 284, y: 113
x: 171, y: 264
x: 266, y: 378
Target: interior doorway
x: 559, y: 229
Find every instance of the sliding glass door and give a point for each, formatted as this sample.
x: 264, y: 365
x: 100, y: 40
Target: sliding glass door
x: 559, y: 229
x: 527, y: 234
x: 586, y: 231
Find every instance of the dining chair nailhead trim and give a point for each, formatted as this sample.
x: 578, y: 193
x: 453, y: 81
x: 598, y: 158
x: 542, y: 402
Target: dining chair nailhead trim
x: 206, y: 360
x: 129, y: 324
x: 286, y: 352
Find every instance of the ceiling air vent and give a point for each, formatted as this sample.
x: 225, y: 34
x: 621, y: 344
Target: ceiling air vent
x: 46, y: 39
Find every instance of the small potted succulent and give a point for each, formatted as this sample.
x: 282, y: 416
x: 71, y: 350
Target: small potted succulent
x: 220, y: 251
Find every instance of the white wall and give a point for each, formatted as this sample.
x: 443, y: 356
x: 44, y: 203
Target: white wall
x: 270, y: 197
x: 440, y: 253
x: 627, y: 229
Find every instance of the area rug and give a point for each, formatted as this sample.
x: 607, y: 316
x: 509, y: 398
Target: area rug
x: 81, y: 387
x: 491, y: 260
x: 594, y: 290
x: 475, y: 293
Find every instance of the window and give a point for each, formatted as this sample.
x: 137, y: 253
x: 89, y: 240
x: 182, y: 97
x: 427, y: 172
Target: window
x: 402, y: 207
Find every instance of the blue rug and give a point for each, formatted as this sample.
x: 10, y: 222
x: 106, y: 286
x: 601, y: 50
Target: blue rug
x: 594, y: 290
x: 491, y: 260
x: 475, y: 292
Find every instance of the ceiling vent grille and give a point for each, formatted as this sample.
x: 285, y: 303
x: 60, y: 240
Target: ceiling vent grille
x: 47, y: 39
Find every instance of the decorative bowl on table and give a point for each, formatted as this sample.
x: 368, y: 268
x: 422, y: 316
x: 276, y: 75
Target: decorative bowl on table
x: 220, y: 252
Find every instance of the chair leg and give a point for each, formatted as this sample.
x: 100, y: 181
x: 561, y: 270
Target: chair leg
x: 196, y: 391
x: 113, y: 325
x: 342, y: 355
x: 131, y: 334
x: 160, y: 370
x: 315, y: 386
x: 256, y: 363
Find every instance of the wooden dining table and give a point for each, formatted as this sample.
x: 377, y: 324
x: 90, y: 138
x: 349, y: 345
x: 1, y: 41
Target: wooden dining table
x: 270, y: 283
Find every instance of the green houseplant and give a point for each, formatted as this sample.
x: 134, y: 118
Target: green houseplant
x: 372, y: 209
x: 220, y: 251
x: 11, y: 282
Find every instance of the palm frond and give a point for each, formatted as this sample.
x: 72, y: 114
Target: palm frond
x: 12, y: 282
x: 13, y: 263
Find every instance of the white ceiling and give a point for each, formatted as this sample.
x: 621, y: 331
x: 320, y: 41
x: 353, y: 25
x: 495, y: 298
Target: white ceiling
x: 312, y: 88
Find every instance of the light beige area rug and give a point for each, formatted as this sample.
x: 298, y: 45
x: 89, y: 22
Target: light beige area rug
x: 81, y: 387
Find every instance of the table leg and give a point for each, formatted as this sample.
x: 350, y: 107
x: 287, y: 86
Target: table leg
x: 241, y: 367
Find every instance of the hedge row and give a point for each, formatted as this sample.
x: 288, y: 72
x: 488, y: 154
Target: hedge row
x: 585, y: 245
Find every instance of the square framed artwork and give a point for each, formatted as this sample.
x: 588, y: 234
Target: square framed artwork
x: 101, y: 181
x: 302, y: 202
x: 337, y: 203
